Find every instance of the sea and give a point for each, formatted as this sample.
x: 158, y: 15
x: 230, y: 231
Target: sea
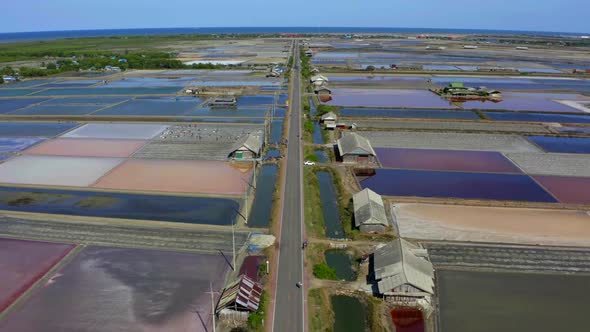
x: 50, y: 35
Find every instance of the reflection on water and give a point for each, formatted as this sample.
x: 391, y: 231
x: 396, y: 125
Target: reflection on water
x: 196, y: 210
x: 265, y: 187
x: 350, y: 315
x: 407, y: 320
x: 330, y: 207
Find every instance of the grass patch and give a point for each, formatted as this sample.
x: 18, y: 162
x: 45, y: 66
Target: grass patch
x: 308, y: 152
x: 314, y: 218
x: 323, y: 271
x: 256, y: 319
x: 321, y: 316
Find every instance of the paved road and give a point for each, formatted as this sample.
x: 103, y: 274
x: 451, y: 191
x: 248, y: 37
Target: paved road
x: 289, y: 310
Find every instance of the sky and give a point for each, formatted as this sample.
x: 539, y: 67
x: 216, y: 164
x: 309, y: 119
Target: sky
x: 531, y: 15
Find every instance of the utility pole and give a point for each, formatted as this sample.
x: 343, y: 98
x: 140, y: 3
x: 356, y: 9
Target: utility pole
x: 212, y: 303
x: 233, y: 242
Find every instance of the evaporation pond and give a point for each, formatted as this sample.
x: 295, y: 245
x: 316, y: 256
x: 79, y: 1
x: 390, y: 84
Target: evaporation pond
x: 276, y: 131
x: 193, y: 210
x: 512, y: 187
x: 16, y: 92
x: 341, y: 262
x: 262, y: 207
x: 567, y: 189
x: 118, y: 289
x: 408, y: 113
x: 23, y: 263
x: 350, y: 314
x: 16, y: 144
x: 55, y: 171
x: 562, y: 144
x: 107, y: 91
x: 446, y: 160
x: 43, y: 129
x: 330, y: 207
x: 229, y: 112
x: 59, y: 110
x: 255, y: 100
x: 187, y: 176
x: 512, y: 302
x: 538, y: 102
x: 10, y: 105
x: 87, y: 147
x: 388, y: 98
x: 153, y: 107
x: 538, y: 117
x: 117, y: 130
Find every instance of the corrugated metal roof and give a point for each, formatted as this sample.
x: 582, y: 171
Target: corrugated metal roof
x: 252, y: 142
x: 242, y: 294
x: 396, y: 264
x: 329, y: 116
x: 369, y: 208
x: 353, y: 143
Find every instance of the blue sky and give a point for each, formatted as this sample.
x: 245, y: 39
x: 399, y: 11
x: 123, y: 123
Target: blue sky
x: 541, y: 15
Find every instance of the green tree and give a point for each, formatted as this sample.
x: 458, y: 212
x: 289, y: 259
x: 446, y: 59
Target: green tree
x: 51, y: 66
x: 323, y: 271
x: 1, y: 80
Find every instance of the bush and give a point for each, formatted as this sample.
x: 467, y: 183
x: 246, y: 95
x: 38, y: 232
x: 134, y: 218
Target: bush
x: 323, y: 271
x: 255, y: 320
x: 323, y: 109
x: 312, y: 157
x: 308, y: 126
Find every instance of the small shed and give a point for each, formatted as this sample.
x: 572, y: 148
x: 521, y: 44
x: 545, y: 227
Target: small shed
x: 323, y: 91
x: 329, y: 119
x: 241, y: 295
x: 248, y: 149
x: 369, y: 212
x: 223, y: 101
x: 317, y: 78
x: 402, y: 271
x: 356, y: 149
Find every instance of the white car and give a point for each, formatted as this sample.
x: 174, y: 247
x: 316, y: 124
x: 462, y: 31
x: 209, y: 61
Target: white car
x: 309, y: 163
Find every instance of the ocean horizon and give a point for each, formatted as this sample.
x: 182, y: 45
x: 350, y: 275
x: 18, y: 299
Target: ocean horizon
x: 50, y: 35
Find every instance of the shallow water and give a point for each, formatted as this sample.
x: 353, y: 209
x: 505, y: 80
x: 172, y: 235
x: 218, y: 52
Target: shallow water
x: 318, y: 138
x: 408, y: 113
x: 262, y: 207
x: 511, y: 302
x: 46, y: 129
x: 538, y: 117
x: 276, y: 131
x: 562, y: 144
x: 350, y: 314
x: 407, y: 320
x: 330, y: 207
x: 193, y: 210
x: 321, y: 155
x: 341, y: 262
x: 512, y: 187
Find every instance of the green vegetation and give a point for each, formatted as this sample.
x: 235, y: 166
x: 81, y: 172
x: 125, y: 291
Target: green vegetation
x: 323, y: 109
x: 96, y: 46
x: 1, y: 80
x: 321, y: 316
x: 127, y: 52
x: 314, y: 218
x: 374, y: 310
x: 323, y: 271
x: 308, y: 151
x: 305, y: 66
x: 256, y: 319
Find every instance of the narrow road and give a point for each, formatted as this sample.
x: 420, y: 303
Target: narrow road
x: 289, y: 314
